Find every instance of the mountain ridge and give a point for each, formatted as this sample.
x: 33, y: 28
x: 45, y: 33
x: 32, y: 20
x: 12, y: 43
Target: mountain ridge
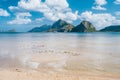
x: 42, y: 28
x: 84, y: 26
x: 113, y: 28
x: 63, y: 26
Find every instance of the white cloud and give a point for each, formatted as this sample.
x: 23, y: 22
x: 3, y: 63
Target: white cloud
x: 100, y: 2
x: 40, y: 19
x: 98, y: 8
x: 59, y: 9
x: 4, y: 12
x: 116, y: 22
x: 68, y: 16
x: 13, y: 8
x: 71, y: 16
x: 99, y: 5
x: 117, y: 2
x: 99, y: 20
x: 34, y: 5
x: 21, y: 18
x: 117, y: 13
x: 51, y: 9
x: 62, y: 4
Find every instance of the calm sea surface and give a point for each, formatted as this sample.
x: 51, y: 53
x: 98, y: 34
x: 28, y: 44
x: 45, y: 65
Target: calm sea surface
x: 82, y: 51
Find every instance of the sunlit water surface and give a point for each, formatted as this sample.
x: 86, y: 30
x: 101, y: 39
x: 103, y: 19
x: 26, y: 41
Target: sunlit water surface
x: 61, y: 51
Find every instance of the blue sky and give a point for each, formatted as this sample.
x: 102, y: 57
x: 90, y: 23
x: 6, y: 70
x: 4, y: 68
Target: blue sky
x: 23, y: 15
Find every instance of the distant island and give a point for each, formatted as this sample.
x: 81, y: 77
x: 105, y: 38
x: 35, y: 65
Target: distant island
x: 9, y: 31
x: 63, y: 26
x: 111, y: 29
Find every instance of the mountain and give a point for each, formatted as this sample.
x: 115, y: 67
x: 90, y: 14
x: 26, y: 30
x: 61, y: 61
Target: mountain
x: 61, y: 26
x: 84, y: 26
x: 111, y: 29
x: 42, y: 28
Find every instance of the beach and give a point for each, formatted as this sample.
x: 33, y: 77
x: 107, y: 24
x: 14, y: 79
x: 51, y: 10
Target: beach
x: 26, y: 74
x: 59, y: 56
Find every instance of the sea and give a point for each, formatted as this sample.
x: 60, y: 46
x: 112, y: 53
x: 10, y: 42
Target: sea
x: 99, y: 51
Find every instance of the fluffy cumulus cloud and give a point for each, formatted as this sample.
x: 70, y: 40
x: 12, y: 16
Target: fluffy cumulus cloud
x: 117, y: 2
x: 51, y: 9
x: 32, y: 5
x: 99, y: 20
x: 61, y: 4
x: 99, y: 5
x: 21, y: 18
x: 4, y: 12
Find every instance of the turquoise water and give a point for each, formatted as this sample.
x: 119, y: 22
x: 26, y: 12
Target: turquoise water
x: 97, y: 51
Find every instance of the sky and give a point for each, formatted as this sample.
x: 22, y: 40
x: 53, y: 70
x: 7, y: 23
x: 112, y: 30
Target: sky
x: 23, y: 15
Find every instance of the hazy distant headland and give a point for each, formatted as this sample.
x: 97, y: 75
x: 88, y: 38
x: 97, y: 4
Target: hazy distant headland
x: 9, y: 31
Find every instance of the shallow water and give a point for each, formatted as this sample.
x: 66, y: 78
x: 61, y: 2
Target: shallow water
x: 61, y: 51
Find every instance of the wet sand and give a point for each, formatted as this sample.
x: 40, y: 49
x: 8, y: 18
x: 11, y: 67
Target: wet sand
x: 59, y: 57
x: 25, y: 74
x: 54, y: 66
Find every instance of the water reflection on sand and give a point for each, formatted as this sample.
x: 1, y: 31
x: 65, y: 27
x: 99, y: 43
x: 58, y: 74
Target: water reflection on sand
x: 60, y: 52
